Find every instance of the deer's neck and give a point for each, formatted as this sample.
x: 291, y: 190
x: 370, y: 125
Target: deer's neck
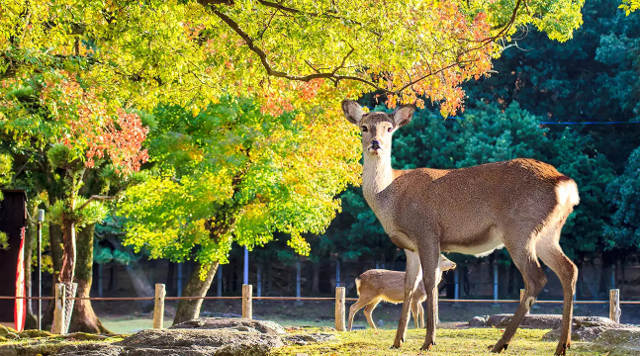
x: 377, y: 174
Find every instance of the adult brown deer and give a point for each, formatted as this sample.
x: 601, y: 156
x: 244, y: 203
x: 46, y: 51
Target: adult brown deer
x: 376, y: 285
x: 520, y: 204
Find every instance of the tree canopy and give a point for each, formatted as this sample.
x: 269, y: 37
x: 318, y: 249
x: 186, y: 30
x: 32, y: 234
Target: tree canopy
x: 234, y: 174
x: 286, y: 53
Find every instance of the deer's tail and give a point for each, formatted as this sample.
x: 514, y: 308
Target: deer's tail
x: 358, y: 285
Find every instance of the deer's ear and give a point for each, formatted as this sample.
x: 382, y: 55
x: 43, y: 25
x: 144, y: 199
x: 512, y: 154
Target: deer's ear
x: 403, y: 115
x: 352, y: 111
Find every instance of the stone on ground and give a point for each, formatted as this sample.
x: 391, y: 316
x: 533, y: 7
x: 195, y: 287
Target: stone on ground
x: 616, y: 342
x: 586, y: 328
x: 199, y: 337
x: 262, y: 326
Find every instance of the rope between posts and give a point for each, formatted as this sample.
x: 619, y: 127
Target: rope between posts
x: 282, y: 298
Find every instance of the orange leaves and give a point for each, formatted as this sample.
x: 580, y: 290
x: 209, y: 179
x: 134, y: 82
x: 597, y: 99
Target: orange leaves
x: 94, y: 130
x: 461, y: 55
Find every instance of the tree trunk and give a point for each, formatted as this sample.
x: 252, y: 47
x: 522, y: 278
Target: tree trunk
x: 259, y: 279
x: 190, y: 309
x: 83, y: 317
x: 298, y: 278
x: 268, y: 286
x: 315, y: 280
x: 100, y: 279
x: 55, y: 239
x: 69, y: 249
x: 219, y: 282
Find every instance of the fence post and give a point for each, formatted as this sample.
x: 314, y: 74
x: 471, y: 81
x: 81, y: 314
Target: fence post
x: 614, y: 305
x: 247, y: 299
x: 158, y: 307
x: 340, y: 292
x: 57, y: 327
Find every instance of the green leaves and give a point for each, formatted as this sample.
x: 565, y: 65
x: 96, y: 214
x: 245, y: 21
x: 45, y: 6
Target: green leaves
x: 629, y: 6
x: 231, y: 173
x: 624, y: 230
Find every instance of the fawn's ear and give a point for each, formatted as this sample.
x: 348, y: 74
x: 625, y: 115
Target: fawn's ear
x: 352, y: 111
x: 445, y: 264
x: 403, y: 115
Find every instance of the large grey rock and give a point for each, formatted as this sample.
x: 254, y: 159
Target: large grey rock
x: 199, y: 337
x: 546, y: 321
x: 200, y: 342
x: 304, y: 339
x: 182, y: 342
x: 261, y: 326
x: 478, y: 321
x: 616, y: 342
x: 586, y: 328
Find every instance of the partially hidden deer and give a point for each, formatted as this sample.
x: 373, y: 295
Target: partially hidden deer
x: 376, y: 285
x: 521, y: 204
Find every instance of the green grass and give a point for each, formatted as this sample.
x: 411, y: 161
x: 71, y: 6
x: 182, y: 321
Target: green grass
x: 130, y: 325
x: 454, y: 342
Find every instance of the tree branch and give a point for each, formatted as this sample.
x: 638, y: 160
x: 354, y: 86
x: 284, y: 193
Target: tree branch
x: 276, y: 73
x: 95, y: 197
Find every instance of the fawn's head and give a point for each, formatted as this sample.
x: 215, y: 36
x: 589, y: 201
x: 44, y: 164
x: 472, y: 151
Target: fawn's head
x: 377, y: 127
x: 445, y: 264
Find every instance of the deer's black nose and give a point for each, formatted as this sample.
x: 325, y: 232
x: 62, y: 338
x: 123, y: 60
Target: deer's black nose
x: 375, y: 144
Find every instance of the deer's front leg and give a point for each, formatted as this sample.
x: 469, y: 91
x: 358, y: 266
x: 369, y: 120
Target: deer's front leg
x: 429, y: 255
x: 412, y: 277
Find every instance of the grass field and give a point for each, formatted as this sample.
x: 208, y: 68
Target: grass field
x: 453, y: 342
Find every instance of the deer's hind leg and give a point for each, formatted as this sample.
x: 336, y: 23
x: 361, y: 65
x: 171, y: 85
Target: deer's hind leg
x: 523, y: 254
x: 354, y: 308
x: 552, y: 255
x: 368, y: 310
x: 415, y: 312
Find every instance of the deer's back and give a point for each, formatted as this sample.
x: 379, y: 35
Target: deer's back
x: 474, y: 205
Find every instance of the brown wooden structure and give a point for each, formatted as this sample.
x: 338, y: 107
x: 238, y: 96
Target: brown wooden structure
x: 13, y: 222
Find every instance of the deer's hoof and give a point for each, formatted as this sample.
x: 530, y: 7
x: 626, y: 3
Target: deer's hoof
x: 561, y: 350
x: 497, y: 348
x: 427, y: 346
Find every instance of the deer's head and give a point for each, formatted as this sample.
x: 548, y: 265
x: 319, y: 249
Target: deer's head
x: 377, y: 127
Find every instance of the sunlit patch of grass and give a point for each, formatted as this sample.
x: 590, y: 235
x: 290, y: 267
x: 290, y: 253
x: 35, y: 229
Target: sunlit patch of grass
x: 454, y: 342
x: 129, y: 325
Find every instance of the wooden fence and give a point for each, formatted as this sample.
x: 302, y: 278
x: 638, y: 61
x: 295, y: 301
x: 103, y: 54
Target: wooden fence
x: 248, y: 298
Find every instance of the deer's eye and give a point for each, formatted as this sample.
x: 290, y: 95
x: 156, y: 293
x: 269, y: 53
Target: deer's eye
x: 390, y: 129
x: 364, y: 129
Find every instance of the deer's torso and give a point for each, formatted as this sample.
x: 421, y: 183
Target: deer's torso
x: 469, y: 210
x: 386, y: 285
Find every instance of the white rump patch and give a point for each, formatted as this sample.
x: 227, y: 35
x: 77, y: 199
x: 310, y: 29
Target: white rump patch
x: 567, y: 193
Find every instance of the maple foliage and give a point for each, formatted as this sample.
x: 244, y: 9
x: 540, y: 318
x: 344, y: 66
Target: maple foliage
x: 56, y: 122
x: 284, y: 52
x: 630, y: 6
x: 55, y: 109
x: 232, y: 173
x: 94, y: 130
